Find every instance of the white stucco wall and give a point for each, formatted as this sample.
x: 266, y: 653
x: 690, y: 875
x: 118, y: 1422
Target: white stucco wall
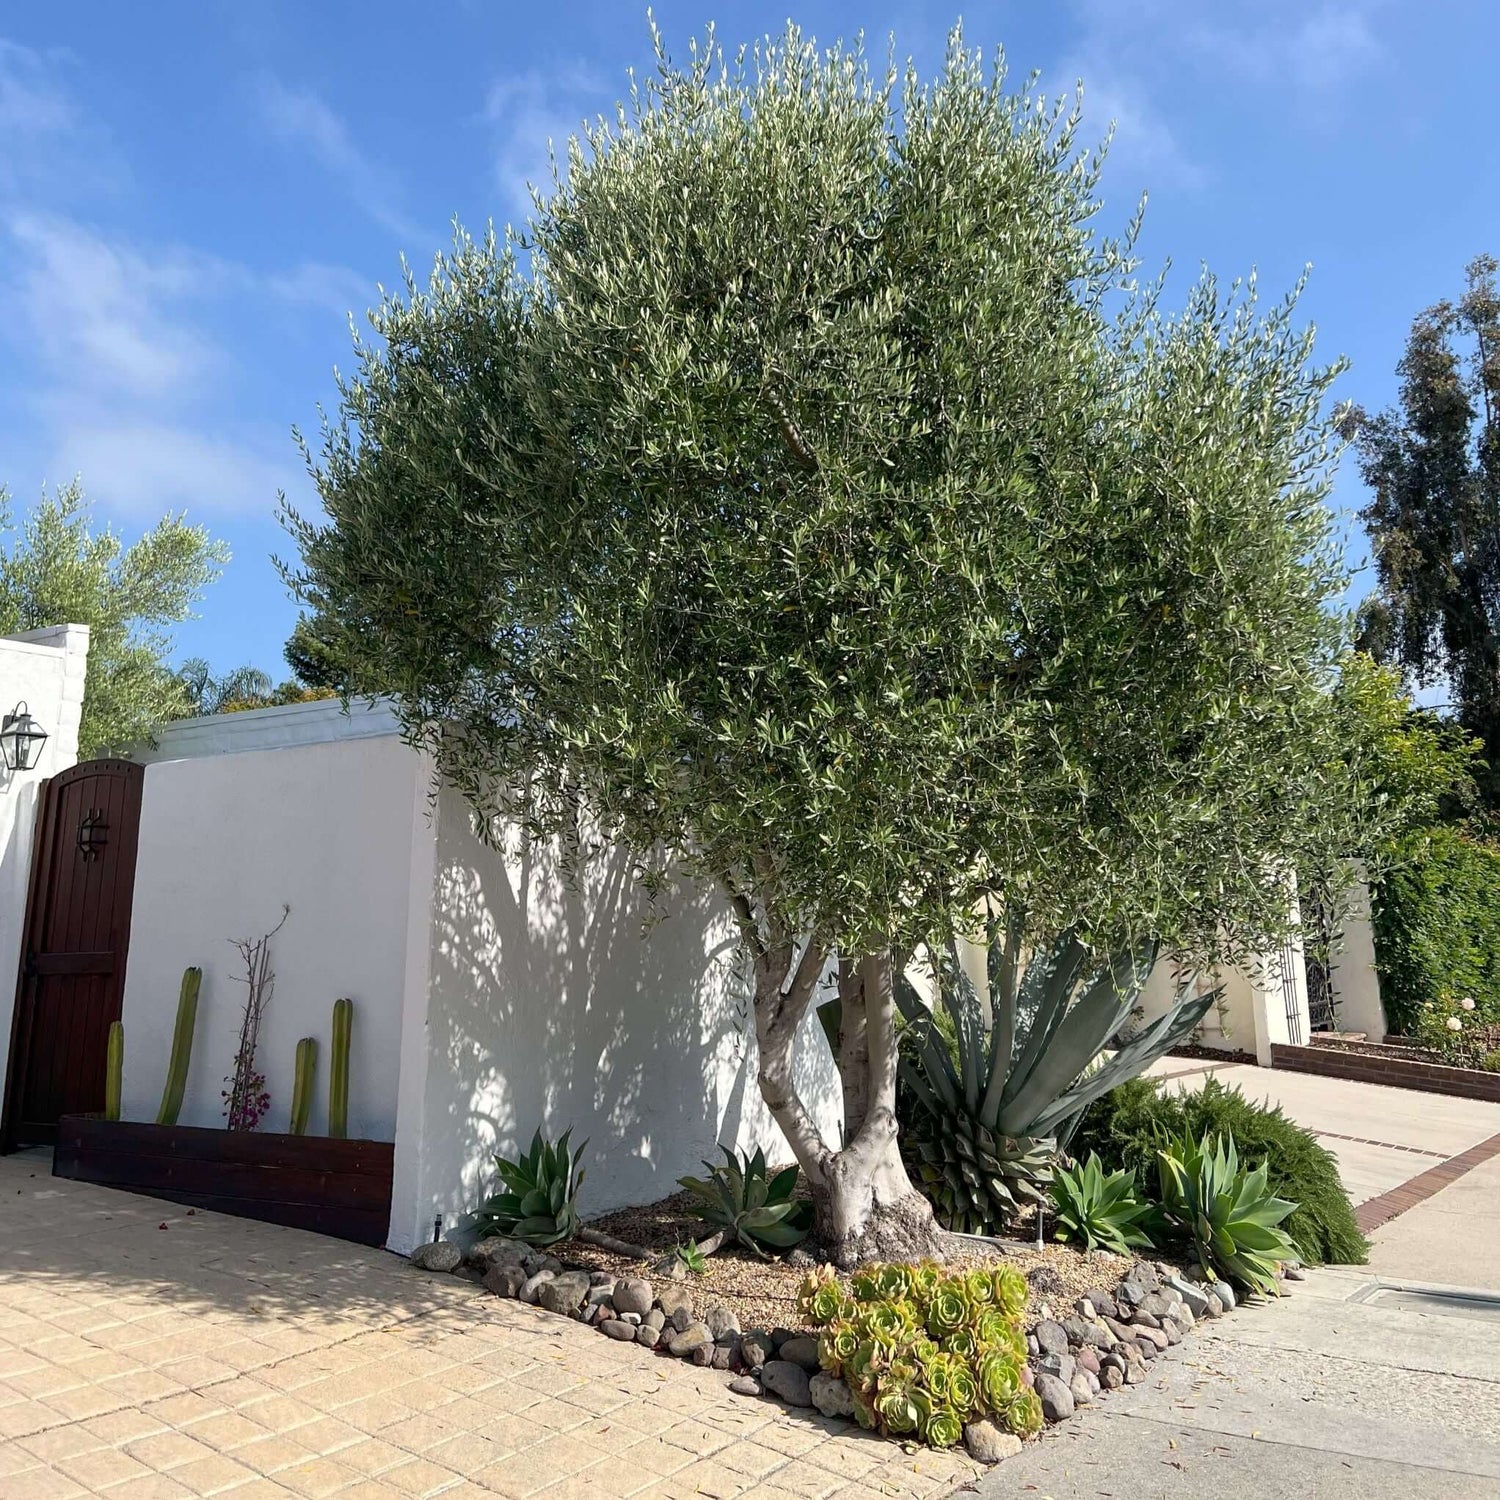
x: 494, y: 994
x: 326, y: 827
x: 1229, y: 1024
x: 46, y: 669
x: 559, y: 1003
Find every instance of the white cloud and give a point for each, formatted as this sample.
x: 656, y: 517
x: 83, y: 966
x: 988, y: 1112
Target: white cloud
x: 146, y: 468
x: 1135, y: 55
x: 101, y: 317
x: 1331, y: 48
x: 534, y: 114
x: 300, y: 118
x: 334, y: 289
x: 32, y: 102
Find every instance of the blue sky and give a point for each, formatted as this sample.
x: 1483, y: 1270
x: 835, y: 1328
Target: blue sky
x: 193, y: 197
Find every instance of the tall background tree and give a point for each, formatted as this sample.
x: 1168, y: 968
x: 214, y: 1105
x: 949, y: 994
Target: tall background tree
x: 815, y: 496
x: 57, y: 568
x: 1433, y: 467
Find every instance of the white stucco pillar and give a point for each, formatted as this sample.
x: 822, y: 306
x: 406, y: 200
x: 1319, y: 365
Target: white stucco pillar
x: 44, y: 669
x: 1279, y: 992
x: 1352, y: 976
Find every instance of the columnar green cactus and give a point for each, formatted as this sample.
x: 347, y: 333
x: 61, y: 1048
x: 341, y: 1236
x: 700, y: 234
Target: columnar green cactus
x: 182, y: 1047
x: 338, y: 1077
x: 302, y: 1083
x: 114, y: 1065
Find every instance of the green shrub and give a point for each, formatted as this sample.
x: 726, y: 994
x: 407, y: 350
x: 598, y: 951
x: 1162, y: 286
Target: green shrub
x: 1437, y: 927
x: 1102, y: 1210
x: 1228, y: 1215
x: 1130, y: 1125
x: 1454, y: 1027
x: 759, y: 1211
x: 922, y: 1351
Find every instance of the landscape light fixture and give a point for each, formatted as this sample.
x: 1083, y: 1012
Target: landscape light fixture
x: 21, y: 740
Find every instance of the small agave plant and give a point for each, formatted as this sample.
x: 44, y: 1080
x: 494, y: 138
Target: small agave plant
x: 993, y: 1112
x: 538, y: 1201
x: 1103, y: 1209
x: 1230, y: 1216
x: 759, y: 1211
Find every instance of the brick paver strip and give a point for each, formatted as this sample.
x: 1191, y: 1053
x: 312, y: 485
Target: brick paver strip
x: 1365, y: 1140
x: 1377, y: 1211
x: 149, y: 1352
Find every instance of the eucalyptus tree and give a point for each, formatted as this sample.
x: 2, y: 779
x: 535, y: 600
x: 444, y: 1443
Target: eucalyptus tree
x: 1433, y: 467
x: 812, y: 492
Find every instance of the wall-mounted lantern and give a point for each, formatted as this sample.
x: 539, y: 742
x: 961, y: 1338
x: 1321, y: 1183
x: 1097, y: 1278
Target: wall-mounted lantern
x: 21, y: 740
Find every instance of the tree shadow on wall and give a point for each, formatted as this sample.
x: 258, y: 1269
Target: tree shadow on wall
x: 561, y: 1000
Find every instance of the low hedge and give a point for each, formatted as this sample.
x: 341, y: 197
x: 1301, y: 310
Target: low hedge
x: 1128, y: 1125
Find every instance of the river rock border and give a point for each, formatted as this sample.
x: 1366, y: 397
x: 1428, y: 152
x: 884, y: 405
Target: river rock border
x: 1107, y: 1339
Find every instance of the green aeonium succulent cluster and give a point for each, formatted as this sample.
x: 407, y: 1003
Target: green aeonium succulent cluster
x: 923, y: 1350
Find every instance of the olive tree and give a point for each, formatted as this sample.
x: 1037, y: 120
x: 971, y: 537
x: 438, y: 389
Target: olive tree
x: 813, y: 495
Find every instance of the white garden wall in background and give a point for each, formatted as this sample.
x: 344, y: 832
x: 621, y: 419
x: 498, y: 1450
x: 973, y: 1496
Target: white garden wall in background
x: 225, y: 840
x: 45, y: 669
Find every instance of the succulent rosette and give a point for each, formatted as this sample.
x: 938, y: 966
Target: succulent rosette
x: 839, y: 1340
x: 1024, y: 1414
x: 997, y: 1332
x: 895, y: 1280
x: 999, y: 1380
x: 925, y: 1276
x: 865, y: 1284
x: 947, y: 1309
x: 1011, y: 1291
x: 943, y: 1373
x: 963, y: 1342
x: 979, y: 1287
x: 812, y: 1284
x: 827, y: 1303
x: 890, y: 1322
x: 940, y: 1426
x: 863, y: 1365
x: 963, y: 1390
x: 896, y: 1406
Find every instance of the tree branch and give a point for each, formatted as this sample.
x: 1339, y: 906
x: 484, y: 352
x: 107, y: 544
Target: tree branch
x: 778, y: 1017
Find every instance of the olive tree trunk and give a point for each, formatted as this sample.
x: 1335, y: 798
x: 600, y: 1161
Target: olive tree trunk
x: 866, y: 1207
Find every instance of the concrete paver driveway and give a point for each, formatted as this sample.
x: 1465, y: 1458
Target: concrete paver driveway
x: 148, y: 1353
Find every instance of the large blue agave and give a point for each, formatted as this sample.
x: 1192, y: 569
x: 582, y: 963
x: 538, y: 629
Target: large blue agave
x: 993, y: 1112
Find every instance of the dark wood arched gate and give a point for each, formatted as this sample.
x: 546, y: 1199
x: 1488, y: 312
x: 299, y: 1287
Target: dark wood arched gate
x: 77, y: 927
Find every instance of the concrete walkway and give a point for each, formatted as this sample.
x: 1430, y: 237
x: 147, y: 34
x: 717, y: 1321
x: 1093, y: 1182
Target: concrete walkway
x: 1376, y: 1382
x: 151, y: 1353
x: 1345, y: 1389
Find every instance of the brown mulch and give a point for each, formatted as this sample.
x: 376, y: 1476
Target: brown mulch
x: 1212, y: 1054
x: 763, y: 1293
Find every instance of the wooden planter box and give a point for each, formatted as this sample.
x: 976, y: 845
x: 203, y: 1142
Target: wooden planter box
x: 338, y: 1188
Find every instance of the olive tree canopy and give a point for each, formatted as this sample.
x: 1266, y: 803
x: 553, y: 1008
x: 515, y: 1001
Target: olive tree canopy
x: 812, y: 491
